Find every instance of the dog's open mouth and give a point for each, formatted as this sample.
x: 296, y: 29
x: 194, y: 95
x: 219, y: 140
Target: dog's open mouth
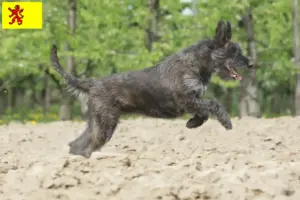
x: 233, y: 73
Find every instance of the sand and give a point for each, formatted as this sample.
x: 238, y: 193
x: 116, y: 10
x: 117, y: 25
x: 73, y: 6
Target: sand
x: 150, y: 159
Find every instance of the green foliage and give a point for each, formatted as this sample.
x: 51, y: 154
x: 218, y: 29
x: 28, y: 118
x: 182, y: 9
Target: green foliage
x: 111, y: 34
x: 29, y: 115
x: 36, y: 114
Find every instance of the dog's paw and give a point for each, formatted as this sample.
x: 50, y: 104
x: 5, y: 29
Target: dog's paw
x: 225, y: 121
x: 81, y: 146
x: 85, y: 152
x: 192, y: 123
x: 228, y: 125
x: 196, y: 121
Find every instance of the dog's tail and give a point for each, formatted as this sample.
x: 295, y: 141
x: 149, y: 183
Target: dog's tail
x: 75, y: 85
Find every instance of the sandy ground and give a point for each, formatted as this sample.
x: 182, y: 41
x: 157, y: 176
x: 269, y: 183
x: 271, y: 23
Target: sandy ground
x: 152, y: 159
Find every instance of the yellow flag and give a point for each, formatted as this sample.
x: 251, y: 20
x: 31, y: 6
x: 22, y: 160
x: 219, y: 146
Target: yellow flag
x: 22, y: 15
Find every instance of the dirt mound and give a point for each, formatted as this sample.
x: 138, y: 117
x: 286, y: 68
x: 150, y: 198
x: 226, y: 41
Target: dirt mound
x: 151, y: 159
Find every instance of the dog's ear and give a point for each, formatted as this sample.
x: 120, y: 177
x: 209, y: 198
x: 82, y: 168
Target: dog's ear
x: 223, y: 32
x: 229, y: 32
x: 220, y: 29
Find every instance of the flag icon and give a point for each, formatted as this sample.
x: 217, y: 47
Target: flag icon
x: 22, y: 15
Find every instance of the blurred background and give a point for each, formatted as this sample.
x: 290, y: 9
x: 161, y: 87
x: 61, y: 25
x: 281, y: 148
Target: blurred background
x: 99, y: 38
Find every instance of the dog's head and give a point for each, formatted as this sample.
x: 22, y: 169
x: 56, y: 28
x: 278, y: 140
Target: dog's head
x: 227, y: 55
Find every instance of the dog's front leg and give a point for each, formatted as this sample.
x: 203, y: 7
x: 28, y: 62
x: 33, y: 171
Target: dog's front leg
x: 200, y: 106
x: 197, y: 120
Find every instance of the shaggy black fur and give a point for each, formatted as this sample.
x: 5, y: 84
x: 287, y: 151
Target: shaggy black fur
x: 168, y: 90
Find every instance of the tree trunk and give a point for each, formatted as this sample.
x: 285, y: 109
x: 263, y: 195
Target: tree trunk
x: 151, y: 32
x: 249, y: 105
x: 47, y: 93
x: 9, y: 100
x: 195, y: 9
x: 2, y: 104
x: 297, y: 58
x: 228, y: 100
x: 18, y: 98
x: 32, y: 95
x: 66, y: 107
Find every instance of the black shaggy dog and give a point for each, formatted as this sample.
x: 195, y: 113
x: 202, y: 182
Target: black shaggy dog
x: 167, y: 90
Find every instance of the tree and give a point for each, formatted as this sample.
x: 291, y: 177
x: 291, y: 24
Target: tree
x: 152, y: 30
x: 249, y: 105
x: 67, y: 101
x: 297, y: 57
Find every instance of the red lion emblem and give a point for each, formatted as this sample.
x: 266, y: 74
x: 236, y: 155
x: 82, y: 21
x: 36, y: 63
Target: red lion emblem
x: 15, y: 14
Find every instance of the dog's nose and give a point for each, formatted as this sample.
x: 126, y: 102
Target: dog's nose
x: 250, y: 64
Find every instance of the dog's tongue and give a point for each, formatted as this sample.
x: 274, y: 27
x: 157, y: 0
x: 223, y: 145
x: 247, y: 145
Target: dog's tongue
x: 236, y: 76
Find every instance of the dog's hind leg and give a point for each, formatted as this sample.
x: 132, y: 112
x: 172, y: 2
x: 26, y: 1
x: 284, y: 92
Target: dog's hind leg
x: 88, y: 130
x: 82, y: 144
x: 103, y: 124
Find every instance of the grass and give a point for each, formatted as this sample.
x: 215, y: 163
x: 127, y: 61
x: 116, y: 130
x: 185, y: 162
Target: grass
x: 36, y: 115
